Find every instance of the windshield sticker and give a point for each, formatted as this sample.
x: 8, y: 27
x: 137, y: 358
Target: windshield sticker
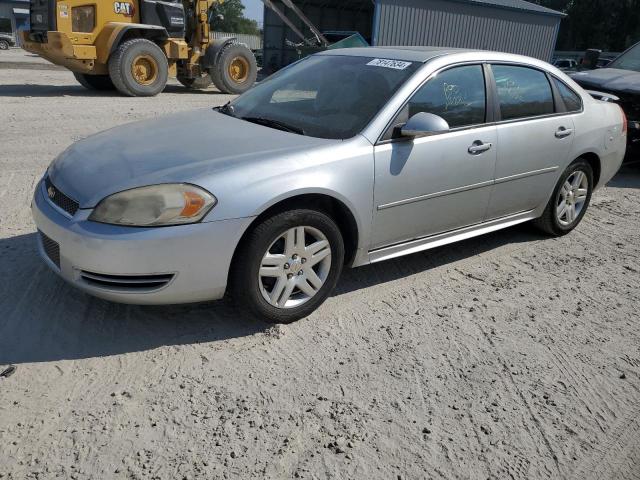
x: 386, y: 63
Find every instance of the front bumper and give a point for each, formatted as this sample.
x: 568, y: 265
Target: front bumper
x: 180, y: 264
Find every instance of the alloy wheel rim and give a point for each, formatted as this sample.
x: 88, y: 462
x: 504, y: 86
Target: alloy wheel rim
x: 572, y: 198
x: 144, y: 69
x: 295, y: 267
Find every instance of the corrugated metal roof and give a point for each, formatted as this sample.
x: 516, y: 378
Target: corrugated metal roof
x: 516, y: 5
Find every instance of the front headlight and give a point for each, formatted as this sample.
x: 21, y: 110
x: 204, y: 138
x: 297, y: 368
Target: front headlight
x: 156, y: 205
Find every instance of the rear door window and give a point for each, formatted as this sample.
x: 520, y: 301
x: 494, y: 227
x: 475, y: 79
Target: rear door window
x: 522, y: 92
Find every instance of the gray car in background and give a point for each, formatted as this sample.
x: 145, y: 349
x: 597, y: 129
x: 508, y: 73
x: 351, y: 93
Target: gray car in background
x: 6, y: 40
x: 347, y: 157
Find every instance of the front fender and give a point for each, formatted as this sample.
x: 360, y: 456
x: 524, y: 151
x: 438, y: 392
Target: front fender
x: 213, y: 51
x: 344, y: 172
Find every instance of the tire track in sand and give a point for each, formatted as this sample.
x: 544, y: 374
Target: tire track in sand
x: 617, y: 456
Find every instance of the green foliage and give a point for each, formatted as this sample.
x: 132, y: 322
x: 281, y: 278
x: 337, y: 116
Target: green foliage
x: 611, y: 25
x: 234, y: 20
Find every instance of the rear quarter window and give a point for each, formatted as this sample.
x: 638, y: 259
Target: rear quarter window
x: 571, y: 99
x: 522, y: 92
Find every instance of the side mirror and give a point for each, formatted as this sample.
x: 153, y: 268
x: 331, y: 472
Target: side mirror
x: 423, y: 124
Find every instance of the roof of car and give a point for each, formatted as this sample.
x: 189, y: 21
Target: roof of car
x: 407, y: 54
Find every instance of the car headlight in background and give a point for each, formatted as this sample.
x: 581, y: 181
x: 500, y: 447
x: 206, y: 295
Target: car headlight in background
x: 83, y: 19
x: 156, y: 205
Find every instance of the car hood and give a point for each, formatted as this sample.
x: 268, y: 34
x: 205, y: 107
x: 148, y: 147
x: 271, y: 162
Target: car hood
x: 610, y: 80
x: 183, y: 147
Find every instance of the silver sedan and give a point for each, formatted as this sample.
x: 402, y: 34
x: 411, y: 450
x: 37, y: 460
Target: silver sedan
x: 345, y: 158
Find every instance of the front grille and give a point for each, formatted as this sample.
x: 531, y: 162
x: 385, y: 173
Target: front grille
x: 60, y: 199
x: 51, y: 249
x: 127, y: 283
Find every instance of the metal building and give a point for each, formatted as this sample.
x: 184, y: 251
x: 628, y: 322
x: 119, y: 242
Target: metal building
x: 254, y: 42
x: 514, y: 26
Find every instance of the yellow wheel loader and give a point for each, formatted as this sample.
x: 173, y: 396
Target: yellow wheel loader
x: 135, y: 45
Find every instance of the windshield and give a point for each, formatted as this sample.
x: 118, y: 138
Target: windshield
x: 324, y: 96
x: 630, y: 60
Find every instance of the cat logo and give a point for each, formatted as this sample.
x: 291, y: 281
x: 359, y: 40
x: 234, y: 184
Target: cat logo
x: 124, y: 8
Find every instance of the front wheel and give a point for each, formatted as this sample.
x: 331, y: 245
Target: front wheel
x: 569, y: 201
x: 235, y: 70
x: 288, y: 265
x: 4, y: 45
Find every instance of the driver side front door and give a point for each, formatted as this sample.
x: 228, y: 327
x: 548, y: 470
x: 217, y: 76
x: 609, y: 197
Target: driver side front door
x: 434, y: 184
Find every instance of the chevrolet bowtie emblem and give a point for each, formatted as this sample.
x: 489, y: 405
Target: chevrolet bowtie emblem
x: 51, y: 192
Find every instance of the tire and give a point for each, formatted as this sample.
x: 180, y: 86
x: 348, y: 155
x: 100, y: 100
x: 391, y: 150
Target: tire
x: 4, y: 45
x: 199, y: 83
x: 239, y: 59
x: 151, y: 66
x: 250, y: 290
x: 94, y: 82
x: 552, y: 221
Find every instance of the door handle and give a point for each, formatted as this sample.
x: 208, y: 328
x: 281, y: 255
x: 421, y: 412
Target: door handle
x: 478, y: 147
x: 563, y: 132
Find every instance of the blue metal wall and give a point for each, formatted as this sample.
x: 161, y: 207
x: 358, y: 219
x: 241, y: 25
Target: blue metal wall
x: 446, y: 23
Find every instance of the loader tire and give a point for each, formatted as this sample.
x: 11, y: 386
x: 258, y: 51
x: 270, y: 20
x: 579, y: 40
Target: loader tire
x: 94, y: 82
x: 199, y: 83
x: 235, y: 70
x: 139, y: 68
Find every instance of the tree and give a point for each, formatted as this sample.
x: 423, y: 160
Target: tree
x: 234, y: 20
x: 605, y: 24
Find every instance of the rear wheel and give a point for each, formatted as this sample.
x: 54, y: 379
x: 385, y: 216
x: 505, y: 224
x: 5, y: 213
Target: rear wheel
x: 139, y: 68
x: 288, y: 265
x: 235, y: 70
x: 4, y: 45
x: 94, y: 82
x: 569, y: 201
x: 197, y: 83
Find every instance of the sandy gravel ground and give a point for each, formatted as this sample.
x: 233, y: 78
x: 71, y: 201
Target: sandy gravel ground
x: 511, y: 356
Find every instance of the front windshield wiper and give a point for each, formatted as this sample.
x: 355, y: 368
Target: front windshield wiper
x: 269, y: 122
x: 227, y: 109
